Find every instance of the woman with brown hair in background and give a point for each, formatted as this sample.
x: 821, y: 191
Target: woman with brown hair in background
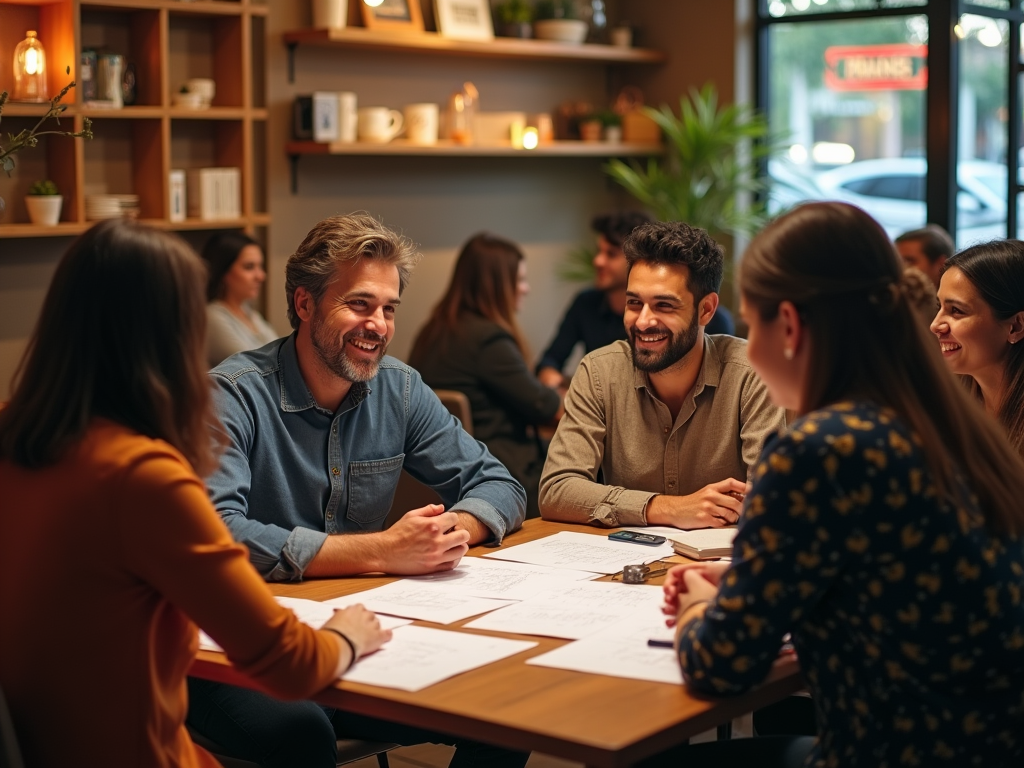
x: 114, y: 552
x: 979, y: 324
x: 472, y: 343
x: 883, y: 531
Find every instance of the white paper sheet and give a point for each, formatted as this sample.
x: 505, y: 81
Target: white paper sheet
x: 620, y: 651
x: 502, y: 579
x: 415, y: 600
x: 574, y: 611
x: 418, y: 657
x: 582, y: 551
x: 311, y: 612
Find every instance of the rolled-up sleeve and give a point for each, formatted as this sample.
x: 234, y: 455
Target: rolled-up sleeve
x: 443, y: 456
x: 569, y: 491
x: 277, y: 553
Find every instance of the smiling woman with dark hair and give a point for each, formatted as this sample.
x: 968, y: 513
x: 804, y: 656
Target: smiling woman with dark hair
x: 979, y: 324
x: 115, y: 552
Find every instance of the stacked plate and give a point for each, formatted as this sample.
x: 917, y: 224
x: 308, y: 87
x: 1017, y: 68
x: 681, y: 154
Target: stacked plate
x: 98, y: 207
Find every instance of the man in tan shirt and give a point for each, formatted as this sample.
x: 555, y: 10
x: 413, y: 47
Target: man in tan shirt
x: 663, y: 428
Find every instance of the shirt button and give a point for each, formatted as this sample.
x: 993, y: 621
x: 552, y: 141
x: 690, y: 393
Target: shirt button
x: 335, y: 471
x: 666, y: 430
x: 330, y: 515
x: 334, y: 431
x: 671, y: 484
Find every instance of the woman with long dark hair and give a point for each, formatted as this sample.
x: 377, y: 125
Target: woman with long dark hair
x: 472, y: 343
x: 114, y: 552
x: 883, y: 531
x: 979, y: 324
x: 234, y: 262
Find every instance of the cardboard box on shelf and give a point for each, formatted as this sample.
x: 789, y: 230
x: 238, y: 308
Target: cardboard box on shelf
x: 638, y: 128
x: 214, y: 193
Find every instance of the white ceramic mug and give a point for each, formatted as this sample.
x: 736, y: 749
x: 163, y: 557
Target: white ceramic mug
x: 330, y: 14
x: 379, y: 125
x: 348, y: 117
x: 421, y: 123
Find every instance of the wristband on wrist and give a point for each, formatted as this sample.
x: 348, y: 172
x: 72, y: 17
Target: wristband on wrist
x: 351, y: 646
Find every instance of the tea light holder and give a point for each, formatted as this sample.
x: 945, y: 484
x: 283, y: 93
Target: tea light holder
x: 30, y: 69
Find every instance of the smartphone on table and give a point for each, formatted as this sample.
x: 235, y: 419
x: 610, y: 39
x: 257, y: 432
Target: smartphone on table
x: 637, y: 538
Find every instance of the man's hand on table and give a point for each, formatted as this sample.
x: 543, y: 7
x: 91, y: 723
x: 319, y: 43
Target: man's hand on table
x: 713, y: 506
x: 425, y: 540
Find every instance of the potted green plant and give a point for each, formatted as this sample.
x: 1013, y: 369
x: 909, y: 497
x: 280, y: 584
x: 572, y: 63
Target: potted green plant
x: 611, y: 125
x: 514, y: 19
x: 29, y: 137
x: 44, y: 202
x: 556, y: 20
x: 708, y: 175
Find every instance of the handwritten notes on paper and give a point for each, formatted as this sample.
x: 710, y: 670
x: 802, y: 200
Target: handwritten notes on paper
x: 583, y: 552
x: 574, y: 611
x: 415, y: 600
x: 620, y: 651
x: 418, y: 657
x: 501, y: 579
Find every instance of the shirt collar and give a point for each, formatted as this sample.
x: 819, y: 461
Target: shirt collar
x: 295, y: 395
x: 709, y: 375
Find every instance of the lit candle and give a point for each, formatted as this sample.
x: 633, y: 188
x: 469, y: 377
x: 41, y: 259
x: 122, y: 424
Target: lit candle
x: 530, y: 139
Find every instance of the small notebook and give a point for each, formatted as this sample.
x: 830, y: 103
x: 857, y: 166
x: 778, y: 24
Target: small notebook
x: 706, y: 544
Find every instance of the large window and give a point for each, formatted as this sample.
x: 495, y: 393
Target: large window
x: 846, y: 84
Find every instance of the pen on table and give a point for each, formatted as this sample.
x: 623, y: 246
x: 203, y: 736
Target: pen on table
x: 656, y: 643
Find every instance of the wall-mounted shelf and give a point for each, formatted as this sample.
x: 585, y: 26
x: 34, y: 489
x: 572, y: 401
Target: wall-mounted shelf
x: 433, y: 43
x: 74, y: 228
x: 443, y: 148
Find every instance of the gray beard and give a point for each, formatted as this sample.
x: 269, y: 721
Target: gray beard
x: 337, y: 360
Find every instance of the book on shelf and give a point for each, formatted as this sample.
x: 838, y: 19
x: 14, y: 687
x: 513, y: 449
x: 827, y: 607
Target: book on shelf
x: 704, y: 544
x: 213, y: 193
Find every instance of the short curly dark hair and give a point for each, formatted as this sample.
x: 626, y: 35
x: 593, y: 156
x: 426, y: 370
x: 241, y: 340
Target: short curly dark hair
x: 678, y: 244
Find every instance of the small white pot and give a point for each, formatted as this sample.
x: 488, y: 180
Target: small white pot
x: 44, y: 209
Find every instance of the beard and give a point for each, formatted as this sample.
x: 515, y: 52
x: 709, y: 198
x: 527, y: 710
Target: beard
x: 335, y: 357
x: 678, y: 347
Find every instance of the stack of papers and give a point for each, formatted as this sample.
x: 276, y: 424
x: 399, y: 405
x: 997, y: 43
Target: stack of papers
x: 706, y: 544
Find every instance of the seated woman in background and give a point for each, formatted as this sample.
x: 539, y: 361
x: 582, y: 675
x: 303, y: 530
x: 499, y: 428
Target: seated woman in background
x: 883, y: 531
x: 235, y: 264
x: 979, y: 324
x: 118, y: 549
x: 472, y: 343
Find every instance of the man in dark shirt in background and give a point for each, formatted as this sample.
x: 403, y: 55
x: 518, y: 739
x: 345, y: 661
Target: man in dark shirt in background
x: 595, y: 315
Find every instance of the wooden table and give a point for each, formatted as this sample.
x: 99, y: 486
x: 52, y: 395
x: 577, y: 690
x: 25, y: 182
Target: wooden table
x: 602, y: 721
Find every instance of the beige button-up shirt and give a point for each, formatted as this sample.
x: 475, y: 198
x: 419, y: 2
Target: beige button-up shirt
x: 615, y: 424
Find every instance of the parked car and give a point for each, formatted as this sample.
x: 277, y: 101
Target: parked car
x: 893, y: 192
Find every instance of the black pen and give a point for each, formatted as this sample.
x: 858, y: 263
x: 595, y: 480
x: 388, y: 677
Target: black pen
x: 655, y: 643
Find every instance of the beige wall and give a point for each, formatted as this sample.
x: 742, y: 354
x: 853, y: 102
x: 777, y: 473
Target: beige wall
x: 545, y: 204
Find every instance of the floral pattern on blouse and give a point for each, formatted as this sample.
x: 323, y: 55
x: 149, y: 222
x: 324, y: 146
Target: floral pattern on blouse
x: 905, y: 612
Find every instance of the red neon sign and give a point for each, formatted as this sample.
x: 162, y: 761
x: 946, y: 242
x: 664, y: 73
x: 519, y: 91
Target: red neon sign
x: 896, y: 67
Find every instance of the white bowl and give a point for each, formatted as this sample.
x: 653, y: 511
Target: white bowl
x: 189, y: 100
x: 562, y: 30
x: 204, y: 86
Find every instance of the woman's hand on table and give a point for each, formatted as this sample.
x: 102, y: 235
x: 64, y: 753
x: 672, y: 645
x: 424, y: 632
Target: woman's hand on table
x: 686, y: 585
x: 361, y: 627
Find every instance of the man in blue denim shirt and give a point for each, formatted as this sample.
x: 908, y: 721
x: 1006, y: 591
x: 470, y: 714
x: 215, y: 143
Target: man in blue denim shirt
x: 319, y: 426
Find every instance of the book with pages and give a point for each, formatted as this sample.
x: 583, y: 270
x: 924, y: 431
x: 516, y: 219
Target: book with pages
x: 704, y: 544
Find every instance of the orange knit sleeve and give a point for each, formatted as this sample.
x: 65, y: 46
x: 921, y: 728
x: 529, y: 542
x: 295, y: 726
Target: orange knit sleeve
x: 173, y: 539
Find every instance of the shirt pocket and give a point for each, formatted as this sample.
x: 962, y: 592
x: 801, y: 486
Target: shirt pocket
x: 371, y: 489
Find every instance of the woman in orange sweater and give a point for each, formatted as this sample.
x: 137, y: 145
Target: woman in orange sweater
x: 112, y: 549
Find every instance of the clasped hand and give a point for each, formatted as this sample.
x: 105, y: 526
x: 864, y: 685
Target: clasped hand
x: 425, y: 540
x: 689, y: 584
x: 713, y: 506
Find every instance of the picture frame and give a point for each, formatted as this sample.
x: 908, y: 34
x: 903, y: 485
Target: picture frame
x: 464, y: 19
x: 393, y: 15
x: 325, y: 116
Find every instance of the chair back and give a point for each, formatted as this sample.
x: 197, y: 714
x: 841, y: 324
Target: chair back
x: 458, y: 405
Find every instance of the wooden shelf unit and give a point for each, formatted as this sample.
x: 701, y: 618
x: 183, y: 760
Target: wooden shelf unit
x: 135, y: 148
x: 433, y: 43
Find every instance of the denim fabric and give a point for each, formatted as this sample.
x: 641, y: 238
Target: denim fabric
x: 294, y: 473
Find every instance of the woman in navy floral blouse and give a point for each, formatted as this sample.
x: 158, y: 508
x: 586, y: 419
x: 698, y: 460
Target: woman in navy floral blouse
x: 883, y: 529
